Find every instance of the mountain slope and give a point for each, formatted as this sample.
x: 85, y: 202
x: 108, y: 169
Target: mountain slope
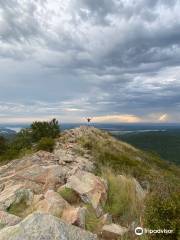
x: 164, y: 143
x: 90, y: 180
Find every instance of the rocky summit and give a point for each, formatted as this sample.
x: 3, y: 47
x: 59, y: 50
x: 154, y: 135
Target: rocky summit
x: 44, y: 194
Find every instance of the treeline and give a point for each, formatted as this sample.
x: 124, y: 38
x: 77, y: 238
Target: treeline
x: 39, y: 136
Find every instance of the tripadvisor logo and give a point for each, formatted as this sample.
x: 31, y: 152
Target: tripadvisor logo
x: 140, y: 231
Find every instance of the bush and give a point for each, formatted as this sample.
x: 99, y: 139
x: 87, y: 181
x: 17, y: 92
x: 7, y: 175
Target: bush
x: 44, y: 129
x: 46, y: 144
x: 2, y: 145
x: 162, y: 211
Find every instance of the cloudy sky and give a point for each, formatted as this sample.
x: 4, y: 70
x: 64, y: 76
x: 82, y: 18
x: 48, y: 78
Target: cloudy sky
x: 115, y: 60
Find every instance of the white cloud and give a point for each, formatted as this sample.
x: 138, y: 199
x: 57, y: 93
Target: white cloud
x: 107, y: 58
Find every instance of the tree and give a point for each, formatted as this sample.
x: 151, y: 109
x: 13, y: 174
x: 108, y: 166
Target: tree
x: 2, y: 144
x: 22, y: 140
x: 40, y: 135
x: 44, y: 129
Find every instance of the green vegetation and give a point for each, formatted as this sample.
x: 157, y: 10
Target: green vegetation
x: 161, y: 204
x: 123, y: 201
x: 39, y: 136
x: 122, y: 158
x: 93, y: 224
x: 69, y: 195
x: 18, y: 209
x: 46, y: 144
x: 163, y: 211
x: 44, y: 129
x: 2, y: 225
x: 2, y: 144
x: 166, y: 143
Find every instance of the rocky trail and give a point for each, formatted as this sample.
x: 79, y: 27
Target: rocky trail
x: 31, y: 203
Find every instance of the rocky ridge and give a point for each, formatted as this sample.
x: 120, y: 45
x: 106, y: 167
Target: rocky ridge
x: 31, y: 206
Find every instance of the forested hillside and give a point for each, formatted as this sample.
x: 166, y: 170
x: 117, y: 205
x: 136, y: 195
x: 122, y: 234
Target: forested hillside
x: 164, y: 143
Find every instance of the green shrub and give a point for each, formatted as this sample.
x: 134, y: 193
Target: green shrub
x: 69, y: 195
x: 46, y: 144
x: 163, y: 211
x: 44, y: 129
x: 2, y: 145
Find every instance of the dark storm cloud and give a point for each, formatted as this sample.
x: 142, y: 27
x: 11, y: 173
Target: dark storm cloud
x: 84, y: 57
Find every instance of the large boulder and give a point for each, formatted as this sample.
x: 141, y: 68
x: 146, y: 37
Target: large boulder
x: 52, y: 203
x: 91, y: 189
x: 7, y: 219
x: 75, y: 216
x: 113, y: 231
x: 46, y: 227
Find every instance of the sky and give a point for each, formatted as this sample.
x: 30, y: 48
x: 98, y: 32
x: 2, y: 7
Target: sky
x: 113, y: 60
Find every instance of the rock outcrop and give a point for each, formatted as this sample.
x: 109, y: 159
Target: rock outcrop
x: 46, y: 227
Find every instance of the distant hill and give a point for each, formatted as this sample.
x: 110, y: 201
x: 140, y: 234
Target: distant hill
x: 164, y: 143
x: 7, y: 132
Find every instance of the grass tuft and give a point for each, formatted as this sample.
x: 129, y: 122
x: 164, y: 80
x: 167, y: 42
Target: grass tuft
x: 123, y: 203
x: 69, y: 195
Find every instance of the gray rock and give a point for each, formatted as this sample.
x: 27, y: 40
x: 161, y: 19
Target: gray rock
x: 113, y: 231
x: 40, y: 226
x: 75, y: 216
x: 7, y: 219
x: 52, y: 203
